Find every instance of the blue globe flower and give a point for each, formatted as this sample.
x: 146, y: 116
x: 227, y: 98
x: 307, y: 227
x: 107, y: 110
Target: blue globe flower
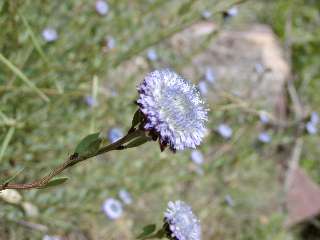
x: 181, y: 223
x: 173, y: 109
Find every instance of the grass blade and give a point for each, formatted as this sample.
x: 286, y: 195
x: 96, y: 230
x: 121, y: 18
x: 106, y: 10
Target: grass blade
x: 6, y: 142
x: 23, y: 77
x: 34, y: 40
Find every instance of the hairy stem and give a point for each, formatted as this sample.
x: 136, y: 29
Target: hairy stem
x: 72, y: 160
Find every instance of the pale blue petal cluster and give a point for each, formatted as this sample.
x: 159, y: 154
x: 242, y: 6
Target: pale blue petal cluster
x: 112, y: 208
x: 311, y: 126
x: 173, y: 109
x: 152, y: 55
x: 197, y: 157
x: 225, y: 130
x: 125, y: 196
x: 264, y: 118
x: 264, y: 137
x: 102, y: 7
x: 49, y: 34
x: 183, y: 224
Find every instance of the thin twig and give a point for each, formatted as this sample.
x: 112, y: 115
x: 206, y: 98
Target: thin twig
x: 70, y: 162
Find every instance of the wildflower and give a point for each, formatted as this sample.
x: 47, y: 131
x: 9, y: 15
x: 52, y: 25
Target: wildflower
x: 264, y: 137
x: 102, y: 7
x: 90, y: 101
x: 49, y: 34
x: 209, y: 75
x: 311, y: 128
x: 263, y: 118
x: 224, y: 130
x: 314, y: 118
x: 181, y: 223
x: 152, y: 55
x: 203, y: 88
x: 197, y: 157
x: 232, y: 12
x: 125, y: 196
x: 206, y: 14
x: 173, y: 109
x: 112, y: 208
x: 110, y: 42
x: 259, y: 68
x: 229, y: 200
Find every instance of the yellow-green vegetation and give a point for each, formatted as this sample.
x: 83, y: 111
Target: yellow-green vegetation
x: 43, y: 116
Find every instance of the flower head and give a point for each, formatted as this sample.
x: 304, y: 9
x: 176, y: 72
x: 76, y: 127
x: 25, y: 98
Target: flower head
x: 314, y: 118
x: 225, y: 131
x: 125, y: 196
x: 210, y: 75
x: 112, y: 208
x: 264, y: 137
x: 173, y: 109
x: 152, y: 55
x: 90, y: 101
x: 102, y: 7
x: 311, y: 128
x: 264, y: 118
x: 181, y: 223
x: 49, y: 34
x: 203, y: 88
x: 197, y: 157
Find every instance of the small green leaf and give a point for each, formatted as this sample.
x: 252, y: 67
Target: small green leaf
x: 147, y: 230
x: 89, y: 145
x: 137, y: 142
x: 56, y: 181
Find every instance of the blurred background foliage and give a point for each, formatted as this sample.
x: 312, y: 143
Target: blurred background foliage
x: 36, y: 134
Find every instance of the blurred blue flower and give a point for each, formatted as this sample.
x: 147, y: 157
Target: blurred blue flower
x: 206, y: 14
x: 112, y: 208
x: 314, y: 118
x: 181, y: 223
x: 110, y: 42
x: 203, y: 88
x: 311, y: 128
x: 102, y: 7
x: 90, y: 101
x: 263, y: 118
x: 173, y: 109
x: 197, y: 157
x: 152, y: 55
x: 125, y: 196
x: 225, y: 130
x: 115, y: 134
x: 209, y: 75
x: 229, y: 200
x: 264, y: 137
x: 259, y: 68
x: 49, y: 34
x: 233, y: 11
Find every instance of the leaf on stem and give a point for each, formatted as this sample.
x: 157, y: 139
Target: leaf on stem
x: 89, y: 145
x: 55, y: 182
x: 147, y: 231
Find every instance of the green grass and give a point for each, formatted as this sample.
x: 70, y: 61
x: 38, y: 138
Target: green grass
x: 37, y: 134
